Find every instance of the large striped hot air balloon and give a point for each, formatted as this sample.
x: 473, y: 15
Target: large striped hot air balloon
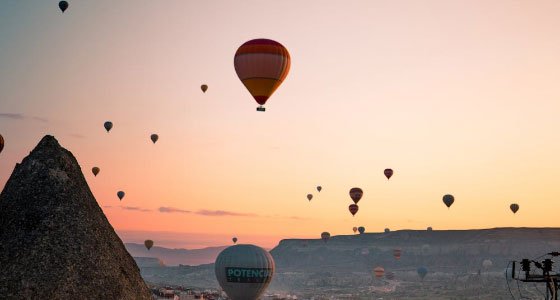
x: 262, y: 65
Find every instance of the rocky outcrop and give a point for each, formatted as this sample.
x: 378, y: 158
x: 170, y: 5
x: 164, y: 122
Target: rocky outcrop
x: 55, y: 241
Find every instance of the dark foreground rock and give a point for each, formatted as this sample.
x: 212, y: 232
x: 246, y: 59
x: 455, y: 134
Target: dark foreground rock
x: 55, y: 241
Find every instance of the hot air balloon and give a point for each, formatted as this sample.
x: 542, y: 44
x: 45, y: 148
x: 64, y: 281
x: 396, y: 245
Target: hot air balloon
x: 234, y: 240
x: 387, y: 230
x: 425, y: 249
x: 1, y: 143
x: 353, y: 208
x: 361, y: 229
x: 514, y: 207
x: 429, y: 228
x: 244, y: 271
x: 356, y: 194
x: 397, y: 253
x: 262, y: 65
x: 355, y: 229
x: 63, y: 5
x: 378, y: 272
x: 120, y: 194
x: 388, y: 173
x: 487, y: 263
x: 309, y: 197
x: 95, y: 171
x: 108, y: 125
x: 319, y: 188
x: 422, y: 271
x: 154, y: 137
x: 148, y: 244
x: 204, y: 87
x: 448, y: 200
x: 325, y: 236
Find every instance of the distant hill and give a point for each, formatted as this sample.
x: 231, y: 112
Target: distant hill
x: 175, y: 257
x: 439, y: 250
x: 343, y: 265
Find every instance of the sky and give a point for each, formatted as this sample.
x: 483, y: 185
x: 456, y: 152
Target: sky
x: 458, y: 97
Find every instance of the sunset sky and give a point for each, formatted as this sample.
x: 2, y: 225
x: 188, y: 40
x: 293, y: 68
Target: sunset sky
x: 459, y: 97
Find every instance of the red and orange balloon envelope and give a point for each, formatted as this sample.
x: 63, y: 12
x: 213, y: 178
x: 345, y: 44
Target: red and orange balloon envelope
x: 378, y: 272
x: 356, y: 194
x: 353, y: 208
x: 355, y: 229
x: 262, y: 65
x: 388, y: 173
x: 397, y: 253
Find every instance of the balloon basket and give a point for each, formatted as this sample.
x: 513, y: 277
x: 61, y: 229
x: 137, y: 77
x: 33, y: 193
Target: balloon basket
x: 260, y: 108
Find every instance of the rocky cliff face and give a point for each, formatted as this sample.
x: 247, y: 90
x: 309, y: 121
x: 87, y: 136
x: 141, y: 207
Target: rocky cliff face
x: 55, y: 241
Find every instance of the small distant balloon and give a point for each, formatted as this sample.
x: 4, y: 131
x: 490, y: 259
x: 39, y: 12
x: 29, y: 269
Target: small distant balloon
x: 422, y: 271
x: 429, y: 228
x: 361, y: 229
x: 387, y: 230
x: 1, y: 143
x: 319, y: 188
x: 353, y: 208
x: 234, y: 240
x: 388, y: 173
x: 63, y: 5
x: 325, y: 236
x: 108, y: 125
x: 356, y: 194
x: 355, y: 229
x: 120, y: 194
x: 425, y: 249
x: 154, y: 137
x: 397, y: 253
x: 378, y: 272
x: 148, y: 244
x: 95, y: 171
x: 448, y: 200
x: 487, y: 263
x: 204, y: 88
x: 309, y: 197
x: 514, y: 207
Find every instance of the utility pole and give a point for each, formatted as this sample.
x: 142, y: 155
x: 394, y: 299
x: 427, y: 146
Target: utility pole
x: 547, y: 277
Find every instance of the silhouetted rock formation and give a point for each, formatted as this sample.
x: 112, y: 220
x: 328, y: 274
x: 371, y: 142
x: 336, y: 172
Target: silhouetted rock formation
x: 55, y: 241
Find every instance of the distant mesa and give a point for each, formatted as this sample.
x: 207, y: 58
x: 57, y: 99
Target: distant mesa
x: 55, y: 241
